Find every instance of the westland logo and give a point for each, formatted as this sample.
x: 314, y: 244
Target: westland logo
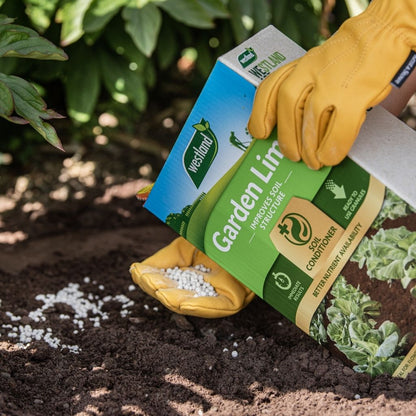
x: 296, y: 229
x: 200, y: 152
x: 247, y: 57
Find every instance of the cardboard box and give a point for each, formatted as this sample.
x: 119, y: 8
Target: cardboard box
x: 289, y: 233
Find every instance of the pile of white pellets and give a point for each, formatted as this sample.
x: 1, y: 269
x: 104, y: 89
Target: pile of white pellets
x: 191, y: 279
x: 86, y: 308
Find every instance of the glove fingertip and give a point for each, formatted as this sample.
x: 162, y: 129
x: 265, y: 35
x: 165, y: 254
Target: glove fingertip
x: 258, y: 130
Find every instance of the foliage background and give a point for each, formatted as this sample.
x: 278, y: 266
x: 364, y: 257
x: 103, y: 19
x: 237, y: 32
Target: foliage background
x: 122, y: 53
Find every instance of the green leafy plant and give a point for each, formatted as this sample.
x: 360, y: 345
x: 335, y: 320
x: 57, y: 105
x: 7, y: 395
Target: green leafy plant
x: 389, y: 255
x: 20, y: 102
x: 124, y: 46
x: 121, y: 51
x: 393, y: 207
x: 353, y: 329
x: 317, y: 328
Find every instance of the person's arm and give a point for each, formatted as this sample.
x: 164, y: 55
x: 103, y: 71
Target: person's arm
x: 398, y: 98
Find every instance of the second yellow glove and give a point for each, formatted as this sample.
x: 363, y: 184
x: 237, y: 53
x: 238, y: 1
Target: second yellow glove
x: 151, y: 275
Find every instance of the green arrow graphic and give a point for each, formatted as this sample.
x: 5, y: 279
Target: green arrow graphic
x: 338, y: 191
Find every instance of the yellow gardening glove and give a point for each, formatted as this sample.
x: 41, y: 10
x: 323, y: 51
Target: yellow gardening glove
x: 150, y: 275
x: 319, y: 101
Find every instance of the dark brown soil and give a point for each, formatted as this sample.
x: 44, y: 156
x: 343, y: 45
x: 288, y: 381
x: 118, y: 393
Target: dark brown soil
x: 74, y: 219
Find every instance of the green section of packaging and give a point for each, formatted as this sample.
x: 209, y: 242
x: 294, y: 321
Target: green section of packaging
x: 250, y: 203
x: 344, y: 192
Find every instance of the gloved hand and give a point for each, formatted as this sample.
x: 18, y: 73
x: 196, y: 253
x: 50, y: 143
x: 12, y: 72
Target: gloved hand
x: 150, y: 276
x: 319, y: 101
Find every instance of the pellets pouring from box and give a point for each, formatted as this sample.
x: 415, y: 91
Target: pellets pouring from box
x: 333, y: 250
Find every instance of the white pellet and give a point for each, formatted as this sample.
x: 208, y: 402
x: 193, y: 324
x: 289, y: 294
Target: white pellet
x: 13, y: 317
x: 190, y: 279
x: 84, y: 309
x: 234, y: 354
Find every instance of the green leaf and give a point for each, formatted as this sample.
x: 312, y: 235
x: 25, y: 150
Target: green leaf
x: 353, y: 354
x: 150, y: 74
x: 72, y: 15
x: 369, y: 347
x: 389, y: 255
x: 4, y: 20
x: 100, y: 13
x: 40, y: 12
x: 393, y: 207
x: 82, y: 87
x: 205, y: 61
x: 123, y: 45
x: 215, y: 8
x: 6, y: 100
x: 123, y: 84
x: 290, y: 27
x: 387, y: 348
x: 189, y: 12
x: 199, y: 127
x: 387, y: 367
x: 9, y: 65
x: 167, y: 46
x: 242, y: 21
x: 30, y: 108
x: 22, y: 42
x: 387, y: 328
x: 279, y: 10
x: 143, y: 25
x: 262, y: 14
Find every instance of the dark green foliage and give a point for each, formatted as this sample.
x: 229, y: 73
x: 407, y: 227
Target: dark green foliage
x: 120, y: 49
x: 20, y: 102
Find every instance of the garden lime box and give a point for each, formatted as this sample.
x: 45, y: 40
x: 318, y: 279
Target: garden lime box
x: 333, y: 250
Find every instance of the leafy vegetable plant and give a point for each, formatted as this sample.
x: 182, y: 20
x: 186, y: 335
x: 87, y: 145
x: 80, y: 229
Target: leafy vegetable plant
x: 317, y: 328
x: 393, y: 207
x: 353, y: 329
x: 20, y: 102
x: 389, y: 255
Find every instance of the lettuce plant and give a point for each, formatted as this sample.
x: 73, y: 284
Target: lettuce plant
x: 353, y: 329
x: 389, y: 255
x: 393, y: 207
x: 317, y: 328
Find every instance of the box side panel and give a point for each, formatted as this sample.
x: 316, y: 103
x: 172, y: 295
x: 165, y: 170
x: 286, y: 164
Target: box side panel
x: 213, y: 138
